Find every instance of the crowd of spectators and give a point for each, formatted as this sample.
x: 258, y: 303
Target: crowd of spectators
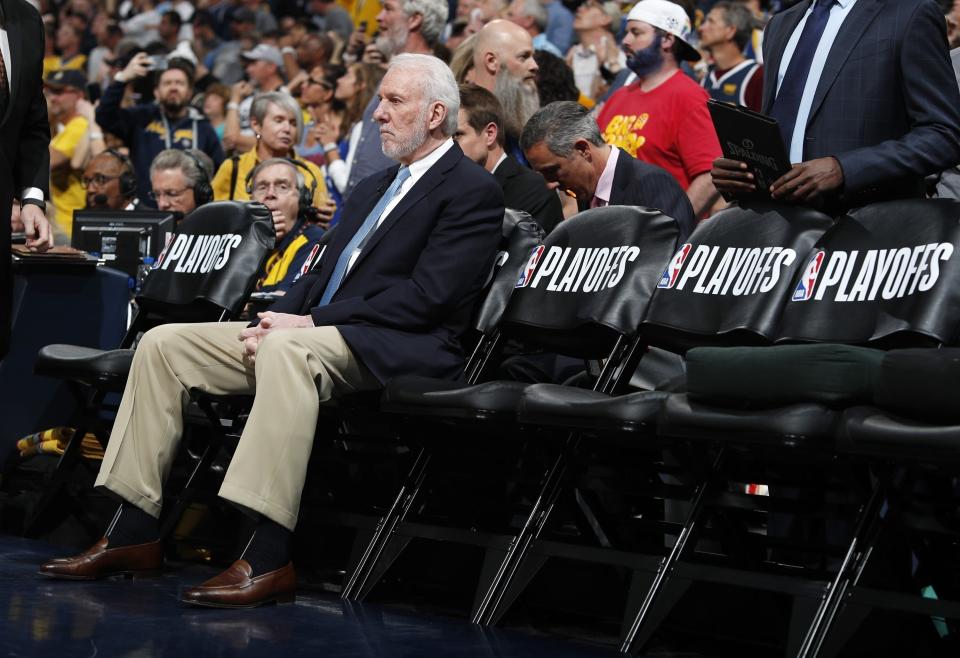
x: 239, y: 82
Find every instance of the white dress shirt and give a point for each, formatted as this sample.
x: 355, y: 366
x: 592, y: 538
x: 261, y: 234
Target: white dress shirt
x: 838, y: 12
x: 417, y: 171
x: 27, y: 192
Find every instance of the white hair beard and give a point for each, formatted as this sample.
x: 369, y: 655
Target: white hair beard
x: 421, y: 131
x: 520, y: 101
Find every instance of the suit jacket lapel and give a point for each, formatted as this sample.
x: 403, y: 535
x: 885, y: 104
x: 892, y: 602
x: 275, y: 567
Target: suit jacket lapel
x: 431, y: 179
x: 15, y: 30
x: 852, y: 30
x: 785, y: 27
x: 621, y: 177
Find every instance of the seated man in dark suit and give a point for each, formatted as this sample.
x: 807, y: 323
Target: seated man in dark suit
x: 481, y: 135
x: 391, y: 295
x: 563, y: 143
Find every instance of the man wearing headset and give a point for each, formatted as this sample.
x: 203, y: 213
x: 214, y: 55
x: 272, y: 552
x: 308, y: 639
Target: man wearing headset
x: 180, y: 180
x: 280, y: 186
x: 110, y: 182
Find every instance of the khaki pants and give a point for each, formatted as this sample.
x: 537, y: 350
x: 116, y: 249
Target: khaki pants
x: 295, y: 371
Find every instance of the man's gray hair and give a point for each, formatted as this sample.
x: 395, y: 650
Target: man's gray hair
x: 536, y: 11
x: 437, y: 84
x: 559, y: 125
x: 434, y: 14
x: 263, y: 101
x: 300, y: 178
x: 738, y: 16
x: 177, y: 159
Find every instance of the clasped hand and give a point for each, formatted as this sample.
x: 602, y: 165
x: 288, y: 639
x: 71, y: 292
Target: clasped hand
x: 269, y: 321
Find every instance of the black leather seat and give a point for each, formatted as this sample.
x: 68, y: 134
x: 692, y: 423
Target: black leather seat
x: 104, y: 368
x: 869, y: 429
x: 795, y: 424
x: 579, y: 408
x: 428, y: 396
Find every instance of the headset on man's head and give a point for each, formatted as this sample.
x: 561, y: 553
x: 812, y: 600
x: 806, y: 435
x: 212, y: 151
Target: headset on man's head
x: 203, y: 190
x: 128, y: 177
x: 307, y: 192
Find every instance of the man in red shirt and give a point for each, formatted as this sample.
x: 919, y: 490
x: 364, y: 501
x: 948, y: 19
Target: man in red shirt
x: 662, y: 117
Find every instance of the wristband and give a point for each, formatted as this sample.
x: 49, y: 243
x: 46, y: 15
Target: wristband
x: 288, y: 50
x: 233, y: 106
x: 94, y: 136
x: 119, y: 77
x: 33, y: 202
x: 330, y: 146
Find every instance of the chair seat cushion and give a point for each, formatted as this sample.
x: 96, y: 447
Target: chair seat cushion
x: 864, y: 429
x: 443, y: 397
x: 790, y: 424
x: 921, y: 383
x: 85, y: 364
x: 566, y: 406
x: 758, y: 377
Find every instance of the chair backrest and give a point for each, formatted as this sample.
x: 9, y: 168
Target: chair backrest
x: 521, y: 234
x: 728, y: 283
x: 590, y: 282
x: 211, y: 263
x: 887, y: 274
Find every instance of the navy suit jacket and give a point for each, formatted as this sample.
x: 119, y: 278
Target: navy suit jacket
x: 887, y: 105
x: 525, y: 189
x: 24, y: 132
x: 410, y: 294
x: 638, y: 183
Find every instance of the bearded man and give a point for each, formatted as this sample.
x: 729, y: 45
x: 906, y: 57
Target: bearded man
x: 503, y: 63
x: 167, y: 123
x: 662, y: 117
x: 391, y: 295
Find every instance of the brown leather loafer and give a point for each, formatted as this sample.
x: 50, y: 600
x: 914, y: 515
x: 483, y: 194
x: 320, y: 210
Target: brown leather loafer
x: 238, y: 588
x: 101, y: 561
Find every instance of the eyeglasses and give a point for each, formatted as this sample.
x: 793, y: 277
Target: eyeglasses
x: 156, y: 195
x: 280, y: 187
x: 97, y: 180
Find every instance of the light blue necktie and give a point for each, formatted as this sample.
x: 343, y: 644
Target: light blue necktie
x: 369, y: 224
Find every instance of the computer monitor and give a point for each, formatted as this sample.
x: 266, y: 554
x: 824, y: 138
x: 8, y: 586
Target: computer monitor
x: 122, y: 237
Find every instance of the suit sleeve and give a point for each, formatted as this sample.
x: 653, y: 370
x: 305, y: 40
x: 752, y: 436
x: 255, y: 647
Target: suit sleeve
x: 32, y: 163
x: 932, y: 102
x: 660, y: 190
x: 453, y: 264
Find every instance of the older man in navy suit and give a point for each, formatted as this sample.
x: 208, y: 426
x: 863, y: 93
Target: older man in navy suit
x: 865, y: 97
x: 391, y: 295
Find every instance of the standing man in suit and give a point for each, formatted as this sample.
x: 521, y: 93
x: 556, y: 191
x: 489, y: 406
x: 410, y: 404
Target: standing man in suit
x: 391, y: 295
x: 481, y: 137
x: 24, y: 139
x: 563, y: 143
x: 865, y: 97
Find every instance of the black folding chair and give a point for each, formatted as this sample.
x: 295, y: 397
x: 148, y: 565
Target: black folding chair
x: 582, y: 294
x: 206, y: 273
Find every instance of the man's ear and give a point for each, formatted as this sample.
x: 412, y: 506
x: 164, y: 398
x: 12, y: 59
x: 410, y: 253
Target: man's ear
x: 414, y: 22
x: 438, y: 114
x: 666, y: 44
x: 490, y: 133
x: 582, y: 148
x: 491, y: 63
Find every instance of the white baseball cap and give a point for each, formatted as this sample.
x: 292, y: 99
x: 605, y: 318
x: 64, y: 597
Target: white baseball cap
x: 669, y: 17
x: 266, y: 52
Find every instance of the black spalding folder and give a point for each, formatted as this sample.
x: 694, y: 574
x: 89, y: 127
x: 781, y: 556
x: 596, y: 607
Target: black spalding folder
x: 753, y: 138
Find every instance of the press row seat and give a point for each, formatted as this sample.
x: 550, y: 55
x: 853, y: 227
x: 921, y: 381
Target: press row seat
x: 440, y: 398
x: 552, y: 405
x: 873, y: 431
x: 106, y: 369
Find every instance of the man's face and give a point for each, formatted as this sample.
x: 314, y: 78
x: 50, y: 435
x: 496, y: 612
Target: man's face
x: 171, y: 191
x: 168, y: 30
x: 173, y: 90
x: 515, y: 85
x: 644, y: 48
x: 276, y: 188
x: 472, y: 143
x: 67, y: 38
x: 61, y: 101
x: 310, y: 53
x: 402, y: 114
x: 573, y: 172
x: 516, y: 58
x: 714, y: 30
x: 260, y: 71
x: 394, y: 28
x: 101, y: 180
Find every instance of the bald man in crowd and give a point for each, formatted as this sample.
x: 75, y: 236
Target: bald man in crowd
x: 503, y: 63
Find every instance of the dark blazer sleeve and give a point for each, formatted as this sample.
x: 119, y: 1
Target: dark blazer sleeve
x: 465, y: 233
x: 647, y: 185
x: 932, y: 102
x: 526, y: 190
x: 31, y: 167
